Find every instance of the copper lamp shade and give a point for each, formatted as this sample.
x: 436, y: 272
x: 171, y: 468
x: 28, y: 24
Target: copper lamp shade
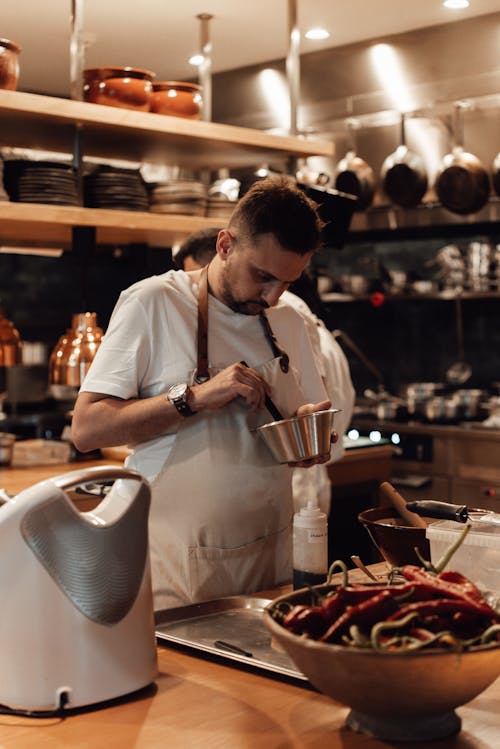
x: 73, y: 355
x: 11, y: 347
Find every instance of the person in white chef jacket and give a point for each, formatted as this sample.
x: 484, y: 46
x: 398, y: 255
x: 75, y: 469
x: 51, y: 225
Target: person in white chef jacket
x: 182, y: 375
x: 314, y: 484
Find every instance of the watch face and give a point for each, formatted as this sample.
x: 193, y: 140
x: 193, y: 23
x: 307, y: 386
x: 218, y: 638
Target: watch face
x: 177, y: 391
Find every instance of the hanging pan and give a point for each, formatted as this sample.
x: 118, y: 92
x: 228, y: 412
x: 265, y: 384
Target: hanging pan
x: 463, y: 183
x: 496, y: 173
x: 354, y: 176
x: 403, y: 175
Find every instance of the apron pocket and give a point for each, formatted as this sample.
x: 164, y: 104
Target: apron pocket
x: 261, y: 564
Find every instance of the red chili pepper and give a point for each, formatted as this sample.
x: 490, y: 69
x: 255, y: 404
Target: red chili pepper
x: 443, y: 607
x: 306, y: 620
x: 375, y: 609
x: 448, y: 589
x: 451, y: 576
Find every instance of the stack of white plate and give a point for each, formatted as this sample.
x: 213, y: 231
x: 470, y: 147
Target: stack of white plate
x: 222, y: 197
x: 178, y: 196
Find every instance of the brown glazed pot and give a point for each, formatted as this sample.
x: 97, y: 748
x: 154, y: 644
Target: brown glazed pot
x: 395, y: 541
x: 177, y: 99
x: 129, y: 88
x: 9, y: 64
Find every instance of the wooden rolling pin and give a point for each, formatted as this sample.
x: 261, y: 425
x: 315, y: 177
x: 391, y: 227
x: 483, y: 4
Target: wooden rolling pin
x: 394, y: 498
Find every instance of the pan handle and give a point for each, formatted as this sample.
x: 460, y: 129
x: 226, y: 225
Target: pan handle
x: 443, y: 510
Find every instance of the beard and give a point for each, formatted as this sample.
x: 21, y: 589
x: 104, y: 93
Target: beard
x: 248, y: 307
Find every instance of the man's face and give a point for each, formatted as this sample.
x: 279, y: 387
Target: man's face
x: 255, y: 272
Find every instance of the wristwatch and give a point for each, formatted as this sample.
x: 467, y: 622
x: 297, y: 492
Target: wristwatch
x: 178, y: 395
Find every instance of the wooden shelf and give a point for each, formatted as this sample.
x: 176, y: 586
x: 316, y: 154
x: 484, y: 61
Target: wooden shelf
x: 39, y: 224
x: 48, y: 123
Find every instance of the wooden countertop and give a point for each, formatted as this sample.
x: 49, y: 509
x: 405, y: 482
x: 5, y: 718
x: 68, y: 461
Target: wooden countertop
x: 197, y: 702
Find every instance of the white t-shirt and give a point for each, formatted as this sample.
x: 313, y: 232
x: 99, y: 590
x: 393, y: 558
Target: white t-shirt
x: 150, y: 344
x: 314, y: 483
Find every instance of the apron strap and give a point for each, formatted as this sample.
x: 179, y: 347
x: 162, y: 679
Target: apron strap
x: 202, y: 374
x: 277, y: 350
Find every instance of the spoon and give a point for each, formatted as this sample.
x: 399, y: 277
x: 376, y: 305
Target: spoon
x: 460, y: 371
x: 361, y: 566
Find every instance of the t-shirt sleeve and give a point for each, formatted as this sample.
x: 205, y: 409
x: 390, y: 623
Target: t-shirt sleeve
x: 123, y: 356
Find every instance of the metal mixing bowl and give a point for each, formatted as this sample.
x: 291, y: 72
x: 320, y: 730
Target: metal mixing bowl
x: 301, y: 437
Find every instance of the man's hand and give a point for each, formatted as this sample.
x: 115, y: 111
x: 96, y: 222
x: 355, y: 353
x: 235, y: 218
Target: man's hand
x: 232, y: 382
x: 310, y: 408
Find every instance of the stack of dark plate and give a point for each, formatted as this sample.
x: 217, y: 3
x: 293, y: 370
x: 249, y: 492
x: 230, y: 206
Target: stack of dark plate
x: 40, y: 182
x: 119, y: 189
x: 186, y: 196
x: 3, y: 194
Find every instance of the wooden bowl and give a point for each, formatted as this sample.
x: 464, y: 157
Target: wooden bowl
x: 177, y: 99
x: 9, y: 64
x: 395, y: 541
x: 393, y: 696
x: 129, y: 88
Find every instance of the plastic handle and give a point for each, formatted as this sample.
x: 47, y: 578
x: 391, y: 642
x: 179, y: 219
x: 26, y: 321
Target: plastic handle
x: 443, y: 510
x: 98, y: 473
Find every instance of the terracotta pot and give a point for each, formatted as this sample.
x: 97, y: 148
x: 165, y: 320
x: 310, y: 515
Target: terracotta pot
x: 9, y: 64
x: 129, y: 88
x: 177, y: 99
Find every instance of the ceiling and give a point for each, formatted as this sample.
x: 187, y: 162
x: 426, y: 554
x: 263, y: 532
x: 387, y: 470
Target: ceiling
x: 160, y: 35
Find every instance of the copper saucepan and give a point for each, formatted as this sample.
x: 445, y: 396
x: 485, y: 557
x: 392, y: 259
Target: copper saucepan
x: 403, y: 175
x: 463, y: 183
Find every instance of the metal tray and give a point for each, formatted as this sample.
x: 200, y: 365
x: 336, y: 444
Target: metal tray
x: 231, y: 628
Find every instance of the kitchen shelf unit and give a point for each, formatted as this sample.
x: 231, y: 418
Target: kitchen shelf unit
x: 50, y: 123
x: 334, y: 296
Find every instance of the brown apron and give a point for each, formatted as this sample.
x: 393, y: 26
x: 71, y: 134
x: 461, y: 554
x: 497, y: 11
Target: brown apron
x: 220, y: 519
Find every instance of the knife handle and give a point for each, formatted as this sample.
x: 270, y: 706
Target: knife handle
x: 443, y: 510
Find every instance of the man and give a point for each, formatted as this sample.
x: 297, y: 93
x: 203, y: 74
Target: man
x: 198, y: 250
x: 168, y: 379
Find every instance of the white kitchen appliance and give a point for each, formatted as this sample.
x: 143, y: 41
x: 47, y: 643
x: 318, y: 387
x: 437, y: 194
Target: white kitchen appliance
x: 77, y: 624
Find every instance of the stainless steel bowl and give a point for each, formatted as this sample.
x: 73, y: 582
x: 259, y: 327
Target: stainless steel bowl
x: 301, y: 437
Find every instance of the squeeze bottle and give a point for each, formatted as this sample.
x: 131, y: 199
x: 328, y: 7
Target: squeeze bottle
x: 310, y: 546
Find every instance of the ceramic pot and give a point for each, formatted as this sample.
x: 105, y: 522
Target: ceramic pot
x: 9, y: 64
x: 129, y: 88
x: 177, y: 99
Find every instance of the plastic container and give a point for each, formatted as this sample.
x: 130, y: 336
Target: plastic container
x: 478, y: 557
x: 310, y: 546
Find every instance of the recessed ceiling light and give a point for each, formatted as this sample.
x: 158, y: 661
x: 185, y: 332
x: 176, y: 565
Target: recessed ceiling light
x: 317, y: 34
x: 456, y: 4
x: 195, y: 60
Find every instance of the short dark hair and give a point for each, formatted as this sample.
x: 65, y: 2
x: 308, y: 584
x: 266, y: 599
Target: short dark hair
x: 276, y: 205
x: 200, y: 245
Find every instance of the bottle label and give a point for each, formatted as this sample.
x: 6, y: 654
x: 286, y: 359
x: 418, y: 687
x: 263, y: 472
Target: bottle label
x: 316, y: 536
